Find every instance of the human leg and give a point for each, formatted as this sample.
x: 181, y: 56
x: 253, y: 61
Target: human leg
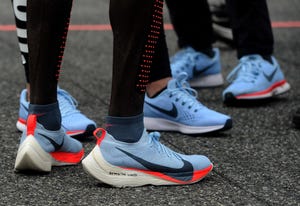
x: 73, y: 121
x: 193, y: 28
x: 221, y: 21
x: 164, y: 94
x: 195, y: 37
x: 251, y: 27
x: 258, y: 74
x: 134, y: 157
x: 44, y: 143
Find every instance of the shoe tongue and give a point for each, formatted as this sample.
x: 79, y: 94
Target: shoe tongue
x: 173, y: 84
x: 251, y: 58
x: 180, y: 81
x: 265, y: 65
x: 190, y: 49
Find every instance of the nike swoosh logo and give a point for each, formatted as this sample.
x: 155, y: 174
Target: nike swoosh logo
x: 270, y: 77
x: 185, y: 173
x: 25, y: 108
x: 56, y: 146
x: 173, y: 112
x: 198, y: 72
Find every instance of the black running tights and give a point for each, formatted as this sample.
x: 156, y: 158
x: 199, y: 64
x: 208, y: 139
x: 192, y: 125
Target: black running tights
x: 47, y: 25
x: 251, y: 25
x: 139, y: 50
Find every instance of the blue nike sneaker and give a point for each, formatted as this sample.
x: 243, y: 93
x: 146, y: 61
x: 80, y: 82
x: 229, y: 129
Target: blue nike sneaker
x: 255, y: 78
x: 74, y: 122
x: 40, y: 149
x: 145, y: 162
x: 202, y: 70
x: 177, y: 109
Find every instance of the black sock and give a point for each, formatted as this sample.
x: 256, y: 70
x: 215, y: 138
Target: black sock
x: 47, y: 115
x: 126, y: 129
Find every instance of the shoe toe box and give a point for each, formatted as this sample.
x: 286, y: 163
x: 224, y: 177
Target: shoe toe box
x: 77, y: 122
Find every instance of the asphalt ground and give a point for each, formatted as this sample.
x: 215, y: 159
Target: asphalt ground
x: 256, y: 162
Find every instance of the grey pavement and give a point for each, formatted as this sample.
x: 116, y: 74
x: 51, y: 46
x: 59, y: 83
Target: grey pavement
x: 256, y: 162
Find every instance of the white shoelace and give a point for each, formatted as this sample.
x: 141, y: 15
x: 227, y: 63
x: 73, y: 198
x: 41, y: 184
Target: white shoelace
x: 246, y: 71
x: 67, y: 103
x: 154, y: 140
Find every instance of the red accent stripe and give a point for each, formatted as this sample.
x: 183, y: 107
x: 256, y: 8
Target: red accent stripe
x: 68, y: 157
x: 75, y: 132
x: 31, y: 124
x: 286, y: 24
x: 266, y: 91
x: 90, y: 27
x: 7, y: 27
x: 107, y: 27
x: 198, y: 175
x: 23, y: 121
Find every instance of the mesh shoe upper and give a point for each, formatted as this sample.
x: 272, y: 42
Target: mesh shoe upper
x: 150, y: 155
x: 178, y: 103
x: 73, y: 121
x: 254, y: 76
x: 40, y: 149
x: 53, y: 141
x: 195, y: 63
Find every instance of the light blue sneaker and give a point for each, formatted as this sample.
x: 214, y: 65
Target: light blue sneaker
x: 255, y: 78
x: 74, y: 122
x: 177, y: 109
x: 40, y: 149
x: 202, y: 70
x: 145, y: 162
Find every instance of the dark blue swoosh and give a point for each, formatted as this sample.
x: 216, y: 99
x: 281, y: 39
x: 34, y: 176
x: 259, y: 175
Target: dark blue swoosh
x: 270, y: 77
x: 56, y: 146
x: 198, y: 72
x: 173, y: 112
x: 185, y: 173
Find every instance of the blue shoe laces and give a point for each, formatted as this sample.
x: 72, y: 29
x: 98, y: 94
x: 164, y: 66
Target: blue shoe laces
x: 184, y: 92
x: 67, y: 103
x: 247, y: 70
x: 162, y: 149
x: 183, y: 59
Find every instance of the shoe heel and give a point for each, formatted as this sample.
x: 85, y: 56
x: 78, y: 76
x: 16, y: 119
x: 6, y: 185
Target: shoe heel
x: 31, y: 156
x: 282, y: 89
x: 91, y: 166
x: 21, y: 126
x: 95, y: 165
